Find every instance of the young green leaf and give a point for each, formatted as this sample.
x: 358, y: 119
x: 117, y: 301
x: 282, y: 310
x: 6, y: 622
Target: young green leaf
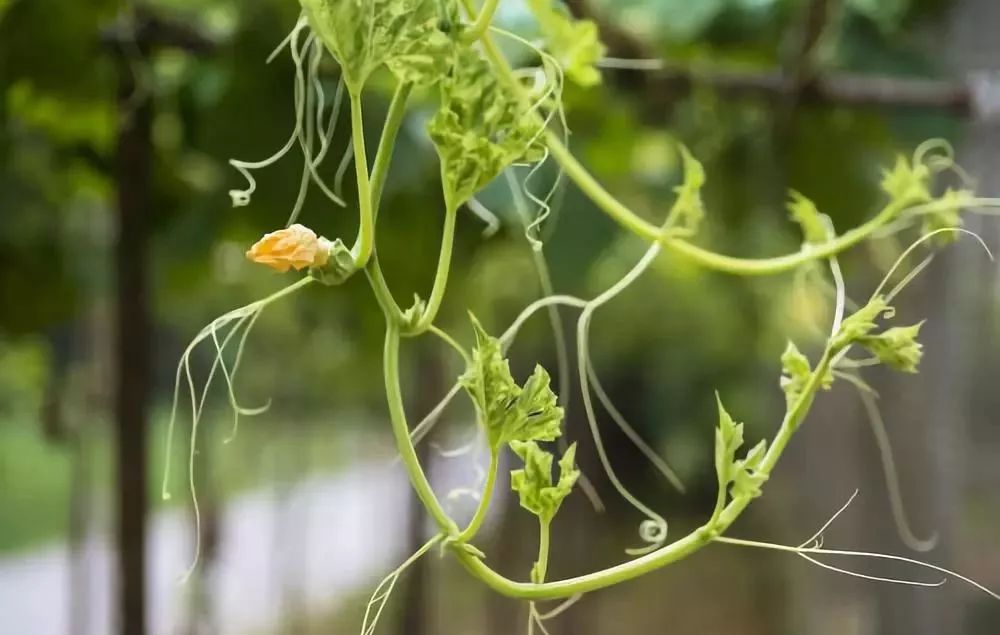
x: 510, y: 412
x: 740, y: 477
x: 897, y: 347
x: 574, y: 43
x: 747, y: 478
x: 907, y: 183
x: 479, y: 129
x: 795, y: 374
x: 533, y: 483
x: 688, y: 210
x: 804, y: 212
x: 861, y: 323
x: 728, y: 439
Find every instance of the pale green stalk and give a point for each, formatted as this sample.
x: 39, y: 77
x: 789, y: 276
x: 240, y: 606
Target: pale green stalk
x: 628, y: 219
x: 544, y: 530
x: 380, y: 171
x: 483, y: 21
x: 401, y: 432
x: 365, y: 243
x: 667, y: 554
x: 484, y: 500
x: 441, y: 276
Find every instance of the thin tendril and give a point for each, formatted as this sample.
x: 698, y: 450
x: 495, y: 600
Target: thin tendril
x: 653, y: 530
x: 877, y: 424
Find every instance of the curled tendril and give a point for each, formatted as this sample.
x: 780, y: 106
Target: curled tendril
x: 309, y: 104
x: 653, y: 530
x: 549, y: 85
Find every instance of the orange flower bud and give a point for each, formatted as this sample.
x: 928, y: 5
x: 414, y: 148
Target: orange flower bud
x: 296, y: 247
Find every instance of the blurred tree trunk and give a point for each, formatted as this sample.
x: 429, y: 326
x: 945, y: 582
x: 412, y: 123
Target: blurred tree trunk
x: 133, y: 175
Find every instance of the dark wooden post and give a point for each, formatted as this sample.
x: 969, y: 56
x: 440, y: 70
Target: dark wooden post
x: 132, y: 355
x: 131, y: 41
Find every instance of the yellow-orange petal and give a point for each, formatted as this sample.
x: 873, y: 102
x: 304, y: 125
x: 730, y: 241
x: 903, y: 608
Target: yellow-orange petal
x: 296, y: 247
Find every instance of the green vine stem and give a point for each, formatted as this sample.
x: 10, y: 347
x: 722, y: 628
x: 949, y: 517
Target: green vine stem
x: 590, y: 582
x: 380, y: 171
x: 401, y: 432
x: 542, y: 563
x: 670, y: 553
x: 642, y: 228
x: 484, y: 500
x: 429, y: 314
x: 483, y: 21
x: 365, y: 244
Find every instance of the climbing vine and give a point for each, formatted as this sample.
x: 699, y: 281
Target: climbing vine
x: 491, y: 117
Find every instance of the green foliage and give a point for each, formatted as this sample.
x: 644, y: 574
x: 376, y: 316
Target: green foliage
x: 510, y: 412
x: 896, y: 347
x: 480, y: 128
x: 575, y: 44
x: 742, y: 478
x: 804, y: 212
x: 796, y: 372
x: 533, y: 483
x: 861, y: 323
x: 907, y: 183
x: 364, y: 35
x: 688, y: 210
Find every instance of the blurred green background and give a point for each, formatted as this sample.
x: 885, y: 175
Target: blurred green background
x: 305, y: 510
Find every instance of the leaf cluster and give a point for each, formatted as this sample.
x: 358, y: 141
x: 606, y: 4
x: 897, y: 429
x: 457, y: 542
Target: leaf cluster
x: 510, y: 413
x: 521, y: 416
x: 895, y: 347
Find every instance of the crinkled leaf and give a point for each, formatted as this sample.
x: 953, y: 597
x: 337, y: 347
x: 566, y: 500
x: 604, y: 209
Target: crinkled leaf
x: 510, y: 412
x: 796, y: 372
x: 804, y: 212
x: 897, y: 347
x: 533, y: 483
x: 479, y: 129
x: 861, y: 323
x: 574, y: 43
x: 728, y: 439
x: 688, y: 210
x: 407, y: 35
x: 748, y: 479
x: 907, y: 183
x: 743, y: 475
